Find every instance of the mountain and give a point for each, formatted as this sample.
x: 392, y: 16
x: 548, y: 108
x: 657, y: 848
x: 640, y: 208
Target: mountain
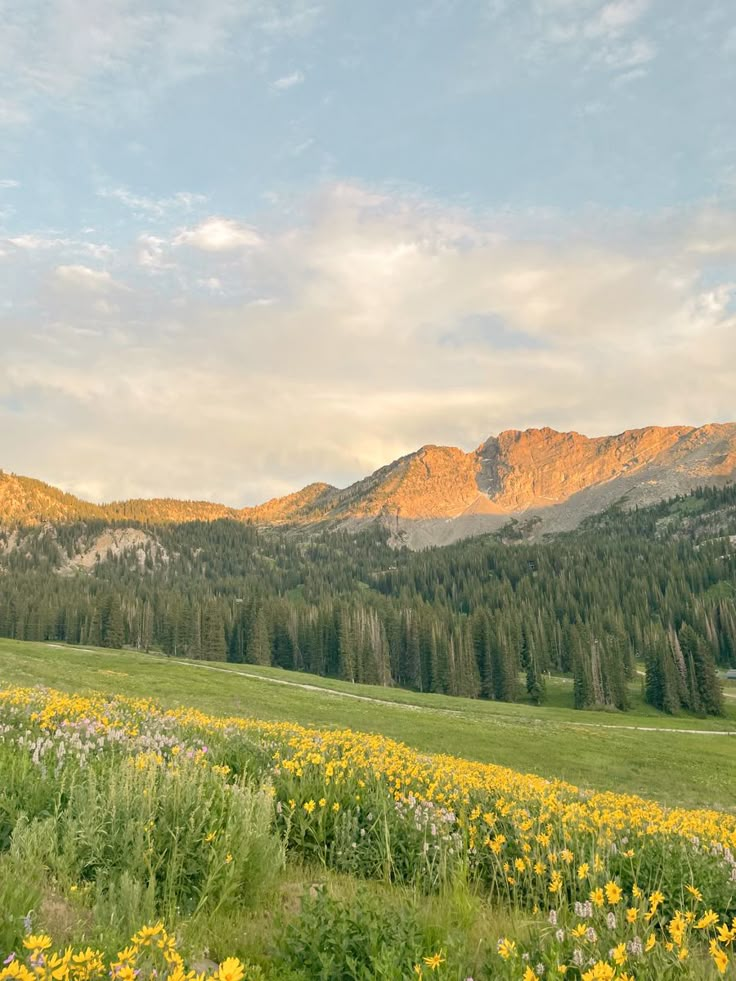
x: 545, y: 480
x: 26, y: 501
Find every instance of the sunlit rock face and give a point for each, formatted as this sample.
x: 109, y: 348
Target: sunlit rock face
x: 441, y: 493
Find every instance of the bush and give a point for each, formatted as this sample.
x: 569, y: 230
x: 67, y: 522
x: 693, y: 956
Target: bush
x: 20, y: 896
x: 145, y: 840
x: 359, y: 939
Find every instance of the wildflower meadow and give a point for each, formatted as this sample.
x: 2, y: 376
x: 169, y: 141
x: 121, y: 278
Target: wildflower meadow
x: 120, y: 819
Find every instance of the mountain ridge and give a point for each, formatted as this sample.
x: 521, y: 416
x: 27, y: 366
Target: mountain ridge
x: 439, y: 493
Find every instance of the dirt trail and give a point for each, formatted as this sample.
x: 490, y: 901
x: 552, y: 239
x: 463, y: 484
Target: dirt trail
x: 445, y: 711
x: 518, y: 720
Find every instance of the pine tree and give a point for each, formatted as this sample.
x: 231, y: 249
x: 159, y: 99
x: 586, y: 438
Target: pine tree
x: 704, y: 687
x: 481, y: 638
x: 583, y: 693
x: 213, y: 634
x: 259, y: 642
x: 411, y: 674
x: 505, y: 670
x: 114, y: 634
x: 346, y: 649
x: 535, y: 687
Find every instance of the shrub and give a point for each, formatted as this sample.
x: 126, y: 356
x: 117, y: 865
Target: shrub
x: 360, y: 939
x: 139, y: 839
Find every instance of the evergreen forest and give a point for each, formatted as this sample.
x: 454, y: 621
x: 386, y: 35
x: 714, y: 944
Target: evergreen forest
x: 490, y: 617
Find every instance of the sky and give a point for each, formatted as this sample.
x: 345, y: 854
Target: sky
x: 249, y: 244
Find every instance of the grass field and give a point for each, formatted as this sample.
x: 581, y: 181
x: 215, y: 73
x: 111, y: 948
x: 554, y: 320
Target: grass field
x: 262, y: 825
x: 603, y: 751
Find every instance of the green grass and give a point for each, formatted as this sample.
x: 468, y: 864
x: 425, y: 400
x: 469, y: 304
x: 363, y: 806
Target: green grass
x: 595, y: 749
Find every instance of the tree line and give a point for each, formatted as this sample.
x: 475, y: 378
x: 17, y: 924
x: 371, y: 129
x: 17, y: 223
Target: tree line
x: 481, y: 618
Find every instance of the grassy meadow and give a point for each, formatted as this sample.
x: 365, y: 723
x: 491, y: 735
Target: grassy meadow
x: 253, y: 824
x: 602, y: 750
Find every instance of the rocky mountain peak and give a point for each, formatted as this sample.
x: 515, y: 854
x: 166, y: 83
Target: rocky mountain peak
x: 442, y: 492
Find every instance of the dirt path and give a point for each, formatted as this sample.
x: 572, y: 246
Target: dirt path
x: 445, y: 711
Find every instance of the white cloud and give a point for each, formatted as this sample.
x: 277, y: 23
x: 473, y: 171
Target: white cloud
x: 7, y: 184
x: 629, y: 56
x: 299, y: 148
x: 67, y: 52
x: 34, y: 242
x: 711, y: 232
x: 153, y: 252
x: 95, y: 280
x: 619, y: 15
x: 11, y: 113
x: 292, y: 20
x: 288, y: 81
x: 596, y: 33
x: 627, y: 77
x: 374, y: 323
x: 153, y: 207
x: 219, y: 235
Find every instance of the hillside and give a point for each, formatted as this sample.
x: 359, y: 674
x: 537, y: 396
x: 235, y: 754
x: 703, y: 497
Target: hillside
x: 655, y: 585
x: 26, y: 501
x: 440, y: 494
x: 278, y: 835
x: 641, y: 751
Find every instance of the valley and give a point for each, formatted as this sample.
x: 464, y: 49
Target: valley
x: 297, y: 748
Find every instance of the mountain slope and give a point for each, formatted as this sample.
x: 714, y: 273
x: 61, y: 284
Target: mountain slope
x: 439, y: 493
x: 24, y: 500
x: 553, y: 480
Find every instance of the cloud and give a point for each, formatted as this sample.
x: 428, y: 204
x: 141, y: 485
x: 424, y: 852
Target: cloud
x: 288, y: 81
x: 124, y: 53
x: 142, y: 205
x: 94, y: 280
x: 7, y: 184
x: 594, y: 33
x: 299, y: 148
x: 627, y: 77
x: 629, y: 56
x: 11, y: 113
x: 711, y: 232
x: 618, y: 16
x: 32, y: 243
x: 35, y: 244
x: 218, y: 235
x: 370, y: 324
x: 153, y: 252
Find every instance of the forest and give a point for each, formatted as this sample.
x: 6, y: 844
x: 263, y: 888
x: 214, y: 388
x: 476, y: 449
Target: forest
x: 488, y: 617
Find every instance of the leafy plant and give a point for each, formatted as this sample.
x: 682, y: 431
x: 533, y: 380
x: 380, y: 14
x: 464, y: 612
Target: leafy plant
x: 355, y: 939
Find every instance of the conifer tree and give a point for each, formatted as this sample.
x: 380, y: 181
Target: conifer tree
x: 705, y: 694
x: 213, y: 634
x: 259, y: 642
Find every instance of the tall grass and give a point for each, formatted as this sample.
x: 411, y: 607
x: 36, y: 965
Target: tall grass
x: 135, y: 840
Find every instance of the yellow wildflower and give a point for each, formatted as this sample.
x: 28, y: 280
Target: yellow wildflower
x: 613, y: 893
x: 230, y: 970
x: 434, y: 961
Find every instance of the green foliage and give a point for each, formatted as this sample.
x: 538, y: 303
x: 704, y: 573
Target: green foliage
x: 20, y: 896
x: 137, y: 841
x: 96, y: 847
x: 355, y: 939
x: 462, y: 620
